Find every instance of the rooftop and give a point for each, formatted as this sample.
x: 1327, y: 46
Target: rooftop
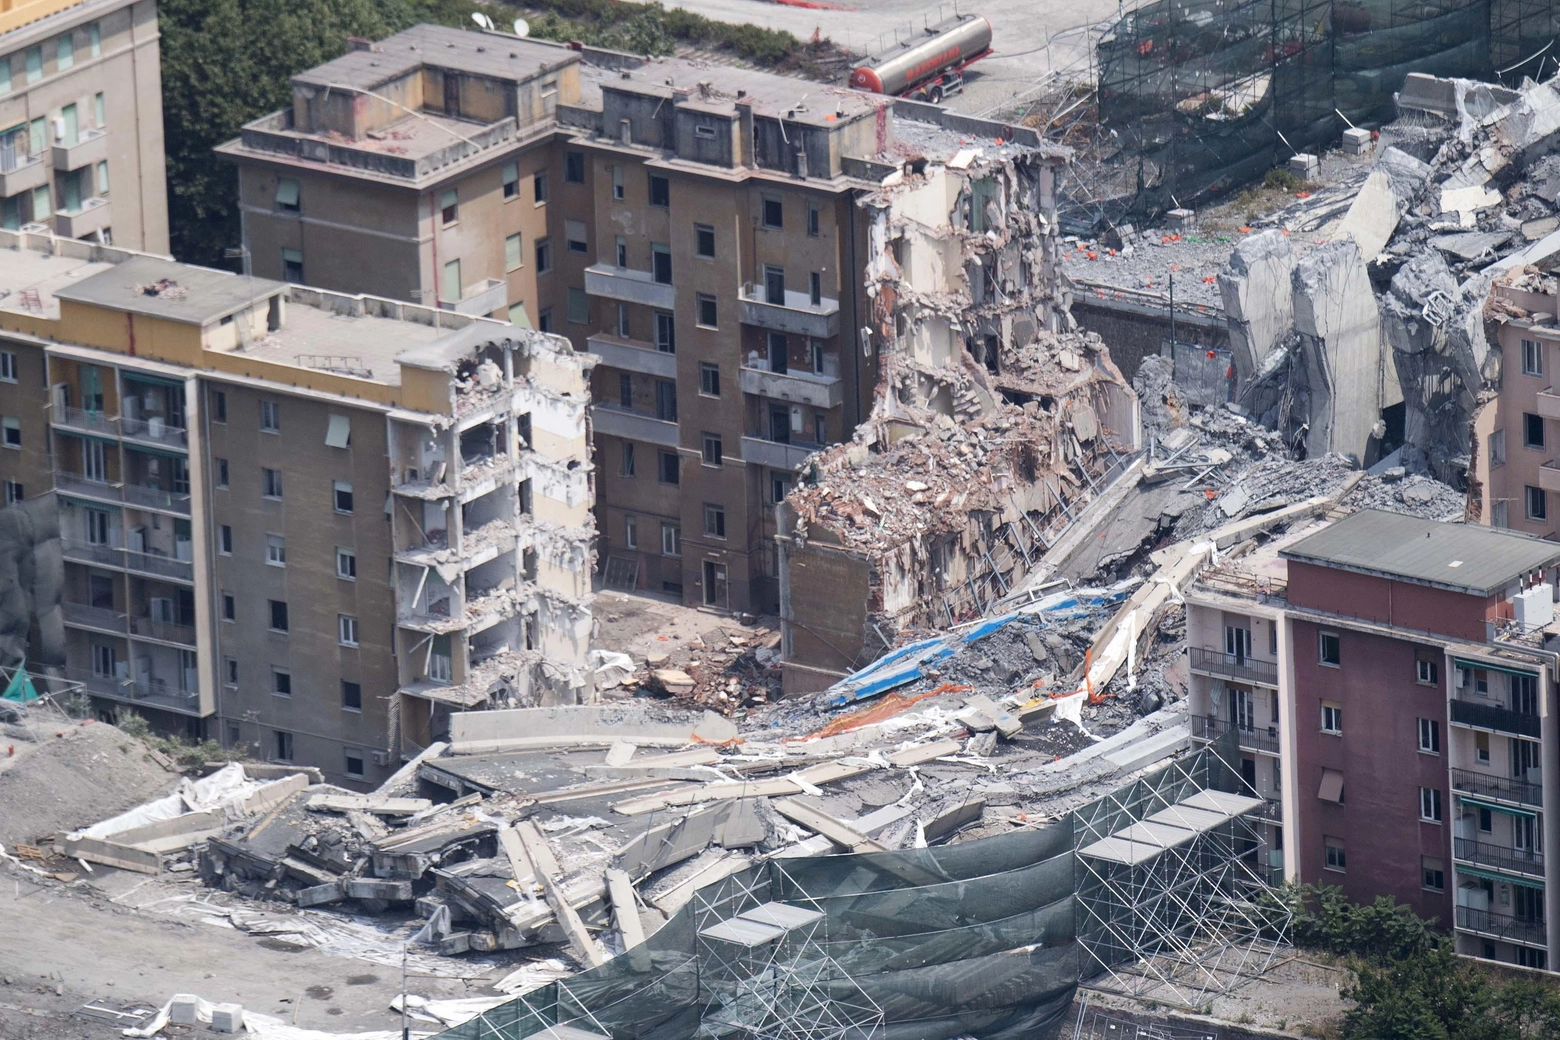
x: 714, y: 88
x: 29, y: 280
x: 1461, y: 557
x: 323, y: 338
x: 497, y: 55
x: 167, y: 289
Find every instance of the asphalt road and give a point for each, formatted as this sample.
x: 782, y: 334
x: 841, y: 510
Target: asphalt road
x: 1030, y: 38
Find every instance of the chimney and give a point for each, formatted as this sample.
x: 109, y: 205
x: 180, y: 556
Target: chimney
x: 626, y: 130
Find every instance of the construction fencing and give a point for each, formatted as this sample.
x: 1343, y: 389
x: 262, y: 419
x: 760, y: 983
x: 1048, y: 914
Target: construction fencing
x: 1199, y: 97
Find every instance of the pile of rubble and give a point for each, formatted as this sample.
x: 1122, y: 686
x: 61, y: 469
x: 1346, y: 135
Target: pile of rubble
x: 728, y: 671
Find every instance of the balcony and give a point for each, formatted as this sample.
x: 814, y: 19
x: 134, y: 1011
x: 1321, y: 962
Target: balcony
x: 90, y: 148
x: 92, y: 216
x: 82, y: 486
x: 1525, y: 862
x: 1501, y: 926
x: 1481, y: 715
x: 156, y: 431
x: 1208, y: 661
x: 481, y: 299
x: 819, y: 391
x: 1549, y: 403
x: 797, y: 315
x: 1257, y: 738
x: 632, y: 355
x: 155, y: 693
x: 160, y: 566
x: 1549, y: 476
x: 99, y: 424
x: 19, y: 173
x: 163, y: 631
x: 91, y: 553
x: 617, y: 421
x: 1502, y: 788
x: 629, y: 286
x: 81, y: 615
x: 176, y: 502
x: 777, y: 455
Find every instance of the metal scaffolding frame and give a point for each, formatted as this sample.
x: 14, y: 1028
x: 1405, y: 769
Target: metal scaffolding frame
x: 1170, y: 901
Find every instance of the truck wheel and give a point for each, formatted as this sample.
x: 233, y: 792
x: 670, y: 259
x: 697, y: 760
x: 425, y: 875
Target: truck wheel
x: 934, y: 94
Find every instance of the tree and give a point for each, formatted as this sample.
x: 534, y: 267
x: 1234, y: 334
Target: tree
x: 1428, y: 996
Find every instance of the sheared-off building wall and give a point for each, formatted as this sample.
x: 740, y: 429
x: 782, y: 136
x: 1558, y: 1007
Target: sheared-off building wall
x: 992, y: 423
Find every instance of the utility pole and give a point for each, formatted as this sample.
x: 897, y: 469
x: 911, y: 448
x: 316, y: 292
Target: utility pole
x: 405, y: 1029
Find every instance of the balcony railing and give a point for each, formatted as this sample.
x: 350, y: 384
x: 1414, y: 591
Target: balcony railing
x: 154, y: 693
x: 166, y: 631
x: 97, y: 422
x: 1501, y: 857
x: 1243, y: 669
x: 1503, y: 788
x: 1254, y: 738
x: 616, y: 421
x: 177, y: 502
x: 155, y: 430
x: 86, y: 616
x: 157, y: 498
x: 1495, y: 717
x: 161, y: 566
x: 87, y: 487
x: 1502, y: 926
x: 89, y: 552
x: 141, y: 563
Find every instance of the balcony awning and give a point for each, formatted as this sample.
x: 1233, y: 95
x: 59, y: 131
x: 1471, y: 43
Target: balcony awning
x: 1494, y: 806
x: 1499, y: 878
x: 1488, y: 667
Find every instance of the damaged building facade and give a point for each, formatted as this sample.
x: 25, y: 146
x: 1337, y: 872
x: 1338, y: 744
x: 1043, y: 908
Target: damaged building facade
x: 992, y: 422
x: 294, y: 521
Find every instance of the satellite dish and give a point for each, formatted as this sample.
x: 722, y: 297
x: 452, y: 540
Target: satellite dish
x: 522, y: 28
x: 482, y: 20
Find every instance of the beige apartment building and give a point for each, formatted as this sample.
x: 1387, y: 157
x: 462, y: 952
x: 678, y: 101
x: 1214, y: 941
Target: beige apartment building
x: 302, y: 521
x: 696, y: 228
x: 81, y: 135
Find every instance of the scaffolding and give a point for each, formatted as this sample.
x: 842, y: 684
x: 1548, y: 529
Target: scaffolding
x: 1172, y: 904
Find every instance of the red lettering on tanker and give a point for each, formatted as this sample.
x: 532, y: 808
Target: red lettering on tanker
x: 933, y: 63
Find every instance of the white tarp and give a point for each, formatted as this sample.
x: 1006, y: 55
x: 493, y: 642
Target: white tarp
x: 223, y: 789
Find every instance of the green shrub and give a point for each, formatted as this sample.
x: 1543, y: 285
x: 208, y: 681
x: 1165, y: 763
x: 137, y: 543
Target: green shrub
x: 1283, y: 180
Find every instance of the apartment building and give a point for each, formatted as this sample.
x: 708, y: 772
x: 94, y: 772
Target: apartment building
x: 705, y: 231
x: 309, y: 523
x: 81, y: 137
x: 1391, y: 682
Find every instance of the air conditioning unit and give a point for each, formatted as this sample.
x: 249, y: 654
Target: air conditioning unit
x: 381, y: 758
x: 1534, y: 607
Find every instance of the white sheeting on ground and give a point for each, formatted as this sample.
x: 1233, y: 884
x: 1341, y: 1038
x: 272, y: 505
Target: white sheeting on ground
x: 223, y: 789
x: 264, y: 1027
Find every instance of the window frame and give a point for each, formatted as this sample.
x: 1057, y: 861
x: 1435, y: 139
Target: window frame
x: 271, y: 484
x: 1532, y: 357
x: 1533, y: 423
x: 1429, y: 874
x: 626, y: 461
x: 714, y: 520
x: 1322, y: 638
x: 711, y: 450
x: 765, y: 201
x: 345, y: 705
x: 276, y: 550
x: 671, y: 539
x: 8, y: 366
x: 701, y: 233
x: 281, y: 682
x: 1428, y: 736
x: 1430, y: 805
x: 1334, y: 854
x: 669, y: 462
x: 706, y: 311
x: 350, y: 555
x: 1331, y: 721
x: 338, y: 488
x: 659, y: 191
x: 709, y: 379
x: 225, y: 539
x: 285, y: 616
x: 539, y: 188
x: 1535, y: 503
x: 270, y: 416
x: 572, y: 162
x: 347, y: 630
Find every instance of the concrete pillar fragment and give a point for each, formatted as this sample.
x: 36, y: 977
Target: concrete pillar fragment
x: 1258, y: 299
x: 1339, y: 324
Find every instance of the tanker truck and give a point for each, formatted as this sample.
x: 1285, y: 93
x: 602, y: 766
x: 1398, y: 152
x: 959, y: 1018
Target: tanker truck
x: 929, y: 65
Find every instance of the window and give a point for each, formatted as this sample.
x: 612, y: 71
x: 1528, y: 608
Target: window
x: 1486, y: 821
x: 221, y: 467
x: 1433, y: 874
x: 1430, y: 804
x: 773, y: 213
x: 617, y: 183
x: 347, y: 629
x: 284, y: 746
x: 626, y: 464
x: 230, y: 671
x: 7, y: 366
x: 815, y: 289
x: 10, y: 432
x: 278, y: 615
x: 701, y: 130
x: 539, y: 187
x: 660, y: 191
x: 5, y: 75
x: 713, y: 456
x: 342, y: 495
x: 281, y: 682
x: 1537, y: 502
x: 511, y: 180
x: 102, y: 177
x: 1481, y: 747
x: 1499, y: 514
x: 620, y: 250
x: 1532, y: 430
x: 707, y: 314
x: 270, y: 417
x: 661, y: 263
x: 229, y: 607
x: 95, y: 40
x: 354, y: 761
x: 709, y: 379
x: 625, y: 390
x: 815, y: 348
x: 65, y: 52
x: 271, y: 482
x: 579, y: 306
x: 1497, y: 448
x: 1532, y: 358
x: 666, y: 400
x: 1329, y: 649
x: 517, y: 315
x: 14, y: 492
x: 577, y: 235
x: 287, y: 195
x: 623, y: 328
x: 351, y: 696
x: 543, y: 257
x: 715, y: 521
x: 1427, y: 669
x: 41, y: 206
x: 292, y: 265
x: 346, y: 564
x: 544, y: 322
x: 276, y: 550
x: 218, y: 406
x: 779, y: 487
x: 774, y: 285
x: 1429, y: 736
x: 670, y: 470
x: 225, y: 540
x: 574, y: 167
x: 512, y: 252
x: 812, y: 219
x: 450, y: 282
x: 1334, y: 853
x: 704, y: 241
x: 631, y: 532
x: 1332, y: 717
x: 665, y: 333
x: 671, y: 540
x: 820, y: 428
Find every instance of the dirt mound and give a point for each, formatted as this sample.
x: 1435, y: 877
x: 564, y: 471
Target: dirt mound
x: 65, y: 782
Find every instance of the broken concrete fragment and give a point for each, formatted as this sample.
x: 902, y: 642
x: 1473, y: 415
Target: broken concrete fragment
x: 1256, y: 287
x: 1340, y: 338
